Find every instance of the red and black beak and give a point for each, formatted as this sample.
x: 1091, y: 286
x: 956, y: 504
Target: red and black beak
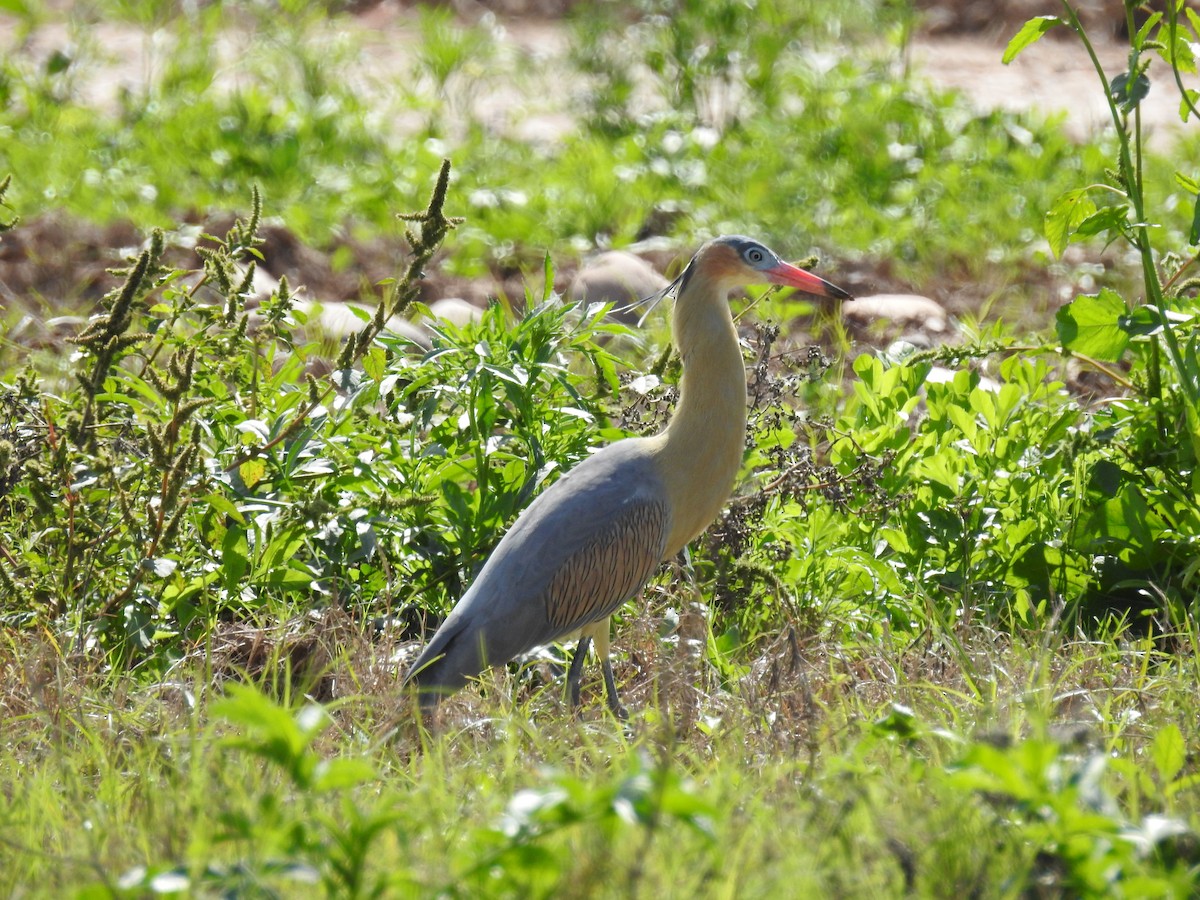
x: 790, y: 276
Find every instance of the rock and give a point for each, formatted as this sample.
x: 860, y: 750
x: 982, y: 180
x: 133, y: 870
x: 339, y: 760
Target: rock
x: 942, y: 375
x: 455, y: 310
x: 615, y: 277
x: 338, y: 321
x: 881, y: 318
x: 902, y: 310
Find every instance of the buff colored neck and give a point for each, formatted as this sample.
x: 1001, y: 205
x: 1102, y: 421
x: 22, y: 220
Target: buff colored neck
x: 700, y: 452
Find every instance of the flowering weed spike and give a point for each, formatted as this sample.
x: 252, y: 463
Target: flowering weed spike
x: 11, y: 223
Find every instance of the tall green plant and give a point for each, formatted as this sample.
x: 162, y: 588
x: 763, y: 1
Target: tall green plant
x: 198, y: 468
x: 1146, y: 516
x: 172, y: 480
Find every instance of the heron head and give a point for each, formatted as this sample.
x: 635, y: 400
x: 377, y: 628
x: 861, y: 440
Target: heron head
x: 735, y: 261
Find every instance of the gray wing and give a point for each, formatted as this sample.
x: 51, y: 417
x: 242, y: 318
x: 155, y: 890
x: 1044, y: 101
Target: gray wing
x: 580, y: 550
x: 608, y: 569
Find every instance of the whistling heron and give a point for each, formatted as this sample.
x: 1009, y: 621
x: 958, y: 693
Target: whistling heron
x: 590, y: 541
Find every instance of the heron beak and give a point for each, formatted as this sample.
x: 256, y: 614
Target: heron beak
x: 791, y: 276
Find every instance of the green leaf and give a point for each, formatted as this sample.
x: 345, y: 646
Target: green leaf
x: 1105, y: 219
x: 1127, y: 95
x: 896, y: 539
x: 1193, y: 17
x: 332, y: 774
x: 375, y: 363
x: 224, y: 505
x: 1147, y: 27
x: 252, y: 472
x: 1030, y: 33
x: 1058, y: 430
x: 1188, y: 183
x: 245, y: 706
x: 900, y: 721
x: 284, y: 546
x: 1091, y: 326
x: 1123, y: 520
x: 1066, y: 215
x: 1194, y: 231
x: 548, y: 278
x: 289, y: 578
x: 1142, y: 321
x: 1189, y: 99
x: 1168, y: 752
x: 235, y: 553
x: 273, y: 732
x: 1183, y: 56
x: 20, y: 8
x: 1106, y: 477
x: 58, y: 63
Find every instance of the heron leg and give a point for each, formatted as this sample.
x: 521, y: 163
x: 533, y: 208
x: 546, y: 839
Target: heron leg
x: 601, y: 633
x: 575, y: 673
x: 610, y: 685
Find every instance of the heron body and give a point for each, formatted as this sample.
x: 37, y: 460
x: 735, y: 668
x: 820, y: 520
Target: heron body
x: 593, y: 538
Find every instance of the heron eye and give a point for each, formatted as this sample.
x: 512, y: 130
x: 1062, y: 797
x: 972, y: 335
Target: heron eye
x: 754, y: 255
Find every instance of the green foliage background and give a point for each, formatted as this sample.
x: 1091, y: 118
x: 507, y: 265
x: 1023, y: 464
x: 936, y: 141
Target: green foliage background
x: 196, y: 466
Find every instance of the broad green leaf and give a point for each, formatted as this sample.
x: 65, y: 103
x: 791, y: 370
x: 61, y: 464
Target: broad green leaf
x: 1030, y: 33
x: 252, y: 472
x: 58, y: 63
x: 1106, y: 477
x: 944, y: 470
x: 1022, y: 607
x: 273, y: 733
x: 1168, y: 752
x: 375, y: 363
x: 1127, y: 94
x: 1105, y: 219
x: 868, y: 368
x: 284, y: 546
x: 1194, y: 231
x: 332, y: 774
x: 1142, y: 321
x: 896, y: 539
x: 1090, y: 325
x: 235, y: 553
x: 1067, y: 213
x: 1124, y: 519
x: 900, y: 722
x: 224, y: 505
x: 289, y: 579
x: 1059, y: 428
x: 1179, y: 54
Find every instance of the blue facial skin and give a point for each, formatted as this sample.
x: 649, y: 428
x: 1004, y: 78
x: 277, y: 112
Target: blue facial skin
x: 752, y: 253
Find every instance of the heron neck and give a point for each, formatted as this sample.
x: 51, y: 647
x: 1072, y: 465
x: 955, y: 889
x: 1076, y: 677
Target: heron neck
x: 702, y: 446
